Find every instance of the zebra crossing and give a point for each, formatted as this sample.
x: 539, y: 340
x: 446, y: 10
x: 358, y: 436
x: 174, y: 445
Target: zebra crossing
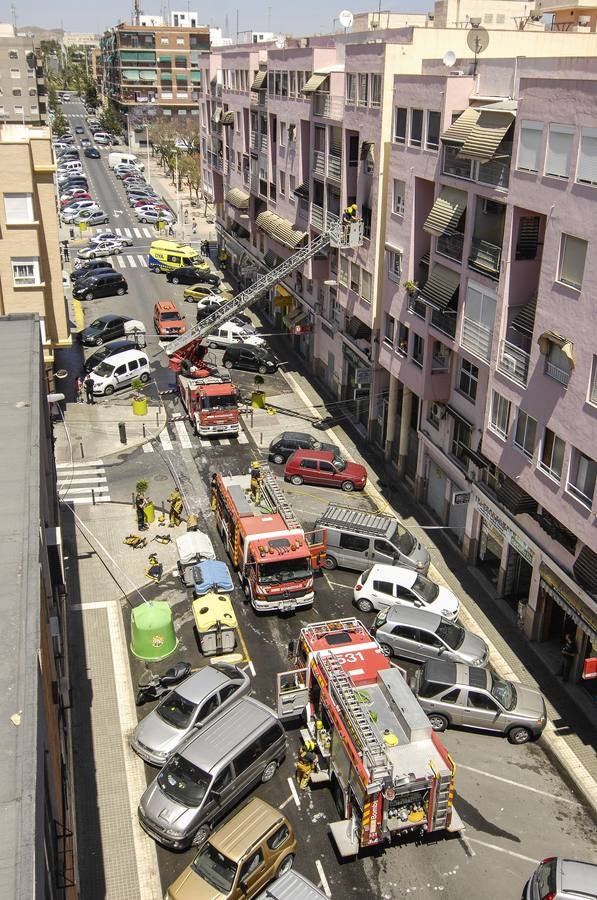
x: 82, y: 482
x: 182, y: 437
x: 141, y: 231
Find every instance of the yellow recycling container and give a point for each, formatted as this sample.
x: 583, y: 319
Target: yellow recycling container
x: 215, y: 621
x: 149, y: 512
x: 140, y: 406
x: 258, y: 399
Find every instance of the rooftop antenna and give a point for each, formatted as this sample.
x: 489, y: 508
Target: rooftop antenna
x: 136, y: 12
x: 346, y: 19
x: 477, y: 40
x: 13, y: 10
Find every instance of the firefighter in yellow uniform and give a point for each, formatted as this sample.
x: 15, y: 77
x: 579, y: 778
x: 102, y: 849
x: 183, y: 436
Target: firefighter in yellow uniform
x: 307, y: 761
x: 175, y: 501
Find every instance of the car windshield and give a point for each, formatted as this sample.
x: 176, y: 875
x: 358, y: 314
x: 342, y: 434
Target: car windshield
x: 183, y: 782
x: 176, y: 710
x: 169, y: 317
x: 226, y: 401
x: 406, y: 541
x: 339, y: 463
x: 284, y: 570
x: 104, y: 370
x: 451, y: 634
x: 226, y: 669
x: 503, y: 691
x: 425, y: 589
x: 98, y: 325
x: 215, y: 868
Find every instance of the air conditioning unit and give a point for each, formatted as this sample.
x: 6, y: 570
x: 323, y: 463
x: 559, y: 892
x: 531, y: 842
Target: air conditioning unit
x: 438, y: 411
x: 56, y: 636
x: 508, y: 363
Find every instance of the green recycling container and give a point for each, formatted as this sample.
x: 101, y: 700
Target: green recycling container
x: 152, y: 631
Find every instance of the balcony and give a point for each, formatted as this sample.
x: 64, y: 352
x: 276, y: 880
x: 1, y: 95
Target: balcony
x: 328, y: 107
x: 254, y: 140
x: 320, y: 219
x: 335, y: 167
x: 557, y: 373
x: 476, y: 338
x: 318, y: 162
x: 485, y: 258
x: 451, y: 245
x: 496, y: 172
x: 444, y: 322
x: 264, y: 143
x: 416, y: 306
x: 513, y: 362
x: 217, y: 162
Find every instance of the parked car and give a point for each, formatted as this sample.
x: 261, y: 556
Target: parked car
x: 418, y: 634
x: 191, y: 275
x: 102, y: 138
x: 558, y: 878
x: 105, y: 352
x: 93, y: 267
x: 102, y: 248
x: 167, y: 320
x: 291, y: 886
x: 105, y: 328
x: 78, y: 181
x: 454, y: 694
x: 282, y: 447
x: 76, y: 205
x: 72, y: 216
x: 200, y: 291
x: 383, y: 586
x: 326, y: 469
x: 142, y: 201
x: 240, y: 857
x: 120, y: 371
x: 250, y: 358
x: 92, y: 217
x: 73, y: 194
x: 79, y: 129
x: 151, y: 215
x: 111, y: 236
x: 106, y: 284
x: 192, y: 705
x: 234, y: 332
x: 85, y: 142
x: 92, y: 152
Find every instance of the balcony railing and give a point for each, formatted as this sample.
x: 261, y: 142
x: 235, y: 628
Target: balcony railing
x: 558, y: 374
x: 217, y: 162
x: 264, y: 143
x: 513, y: 362
x: 328, y: 106
x: 451, y: 245
x: 319, y: 162
x: 254, y: 140
x: 335, y: 167
x: 417, y: 306
x: 485, y: 257
x: 444, y: 322
x: 320, y: 219
x: 496, y: 172
x: 476, y: 338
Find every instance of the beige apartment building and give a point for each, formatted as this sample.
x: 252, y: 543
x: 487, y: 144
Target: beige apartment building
x: 30, y: 266
x: 22, y: 85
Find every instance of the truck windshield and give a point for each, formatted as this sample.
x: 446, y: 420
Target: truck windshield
x: 169, y: 317
x: 404, y: 539
x: 183, y: 782
x: 225, y: 401
x: 283, y: 570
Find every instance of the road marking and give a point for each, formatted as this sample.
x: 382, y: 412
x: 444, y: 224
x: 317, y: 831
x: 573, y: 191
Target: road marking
x: 331, y: 583
x: 99, y: 604
x: 85, y: 464
x: 89, y: 480
x: 137, y: 232
x: 88, y: 500
x: 324, y: 881
x: 148, y: 447
x: 146, y: 232
x: 338, y: 584
x: 252, y: 668
x: 242, y: 438
x: 293, y: 791
x: 183, y: 435
x: 165, y: 440
x: 467, y: 847
x: 142, y: 261
x: 503, y: 850
x: 121, y: 262
x: 131, y: 261
x: 517, y: 784
x: 280, y: 805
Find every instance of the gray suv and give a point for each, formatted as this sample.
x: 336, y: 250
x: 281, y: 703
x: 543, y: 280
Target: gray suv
x: 455, y: 694
x: 421, y: 635
x: 562, y: 879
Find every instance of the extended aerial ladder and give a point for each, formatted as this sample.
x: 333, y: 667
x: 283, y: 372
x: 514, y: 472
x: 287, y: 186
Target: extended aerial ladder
x: 347, y: 235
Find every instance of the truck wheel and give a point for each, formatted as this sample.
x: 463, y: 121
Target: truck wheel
x: 329, y: 563
x: 365, y: 605
x: 246, y: 589
x: 212, y: 345
x: 437, y: 722
x: 519, y: 735
x: 347, y: 486
x: 297, y: 479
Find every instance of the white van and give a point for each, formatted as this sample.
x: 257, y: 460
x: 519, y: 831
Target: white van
x: 121, y: 159
x: 73, y: 165
x: 233, y: 333
x: 119, y: 371
x: 102, y: 137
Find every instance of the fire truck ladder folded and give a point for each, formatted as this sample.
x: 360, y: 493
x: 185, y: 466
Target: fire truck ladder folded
x: 276, y: 497
x: 370, y: 742
x: 338, y: 235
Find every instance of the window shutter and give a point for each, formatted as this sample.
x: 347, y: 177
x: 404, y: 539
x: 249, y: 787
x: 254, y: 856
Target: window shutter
x: 529, y: 148
x: 18, y: 208
x: 587, y: 159
x: 559, y: 150
x: 573, y: 260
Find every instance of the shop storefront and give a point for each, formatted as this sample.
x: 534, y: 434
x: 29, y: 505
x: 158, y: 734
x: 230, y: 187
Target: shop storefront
x: 563, y: 612
x: 504, y: 554
x: 356, y: 387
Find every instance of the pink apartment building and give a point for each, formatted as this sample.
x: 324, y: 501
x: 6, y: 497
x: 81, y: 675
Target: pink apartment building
x: 460, y: 334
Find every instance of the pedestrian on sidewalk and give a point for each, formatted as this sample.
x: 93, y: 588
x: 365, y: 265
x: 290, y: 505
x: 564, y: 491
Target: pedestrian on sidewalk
x: 170, y: 230
x: 186, y: 216
x: 88, y: 385
x: 568, y: 652
x: 205, y: 249
x: 78, y: 389
x: 194, y: 226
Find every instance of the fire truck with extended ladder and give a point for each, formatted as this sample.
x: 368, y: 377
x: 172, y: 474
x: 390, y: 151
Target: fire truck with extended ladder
x: 210, y: 399
x: 268, y: 547
x: 388, y: 771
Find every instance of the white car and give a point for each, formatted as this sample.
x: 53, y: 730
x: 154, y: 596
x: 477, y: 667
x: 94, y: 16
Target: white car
x: 383, y: 586
x: 234, y: 332
x: 70, y: 213
x: 106, y: 248
x: 111, y: 236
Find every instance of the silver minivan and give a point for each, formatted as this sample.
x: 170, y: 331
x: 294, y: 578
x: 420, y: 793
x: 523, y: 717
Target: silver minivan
x: 420, y: 635
x: 211, y: 772
x: 356, y: 538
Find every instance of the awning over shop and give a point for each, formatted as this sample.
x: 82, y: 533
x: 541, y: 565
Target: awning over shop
x: 228, y: 118
x: 484, y: 138
x: 314, y: 83
x: 459, y: 130
x: 181, y: 76
x: 130, y: 74
x: 196, y: 76
x: 238, y: 198
x: 440, y: 287
x: 565, y: 345
x: 524, y: 320
x: 446, y: 212
x: 281, y: 229
x: 260, y: 81
x: 515, y: 498
x: 559, y: 591
x: 165, y: 58
x: 585, y: 569
x: 290, y: 318
x: 148, y: 74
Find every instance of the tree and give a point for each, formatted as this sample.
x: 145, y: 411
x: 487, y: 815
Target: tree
x: 110, y: 121
x: 91, y: 98
x: 188, y: 134
x: 189, y: 168
x: 60, y: 123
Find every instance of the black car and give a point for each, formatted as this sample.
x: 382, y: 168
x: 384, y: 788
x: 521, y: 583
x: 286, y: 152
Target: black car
x: 79, y: 130
x: 78, y: 181
x: 189, y: 275
x: 252, y: 359
x: 105, y: 351
x: 92, y: 153
x: 104, y: 284
x: 104, y: 328
x: 282, y: 447
x: 92, y: 267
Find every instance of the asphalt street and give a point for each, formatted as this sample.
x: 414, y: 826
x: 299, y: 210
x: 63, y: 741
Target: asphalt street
x: 516, y: 808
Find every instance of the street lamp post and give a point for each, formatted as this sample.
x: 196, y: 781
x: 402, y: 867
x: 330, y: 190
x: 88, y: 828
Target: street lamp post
x: 147, y: 147
x: 176, y: 184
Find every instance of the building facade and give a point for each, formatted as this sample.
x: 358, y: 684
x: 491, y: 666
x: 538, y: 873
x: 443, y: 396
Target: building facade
x: 22, y: 85
x: 443, y: 333
x: 30, y: 266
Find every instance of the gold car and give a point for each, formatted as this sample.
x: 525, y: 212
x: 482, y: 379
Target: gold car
x: 240, y: 858
x: 199, y: 291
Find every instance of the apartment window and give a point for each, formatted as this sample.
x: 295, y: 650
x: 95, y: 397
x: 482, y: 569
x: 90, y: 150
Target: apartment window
x: 573, y: 253
x: 552, y: 454
x: 363, y: 89
x: 581, y: 477
x: 468, y: 379
x: 529, y: 146
x: 557, y: 364
x: 418, y: 350
x: 366, y: 218
x: 292, y: 84
x: 402, y: 339
x: 586, y: 170
x: 13, y: 54
x: 284, y: 84
x: 32, y: 92
x: 375, y: 90
x: 18, y: 208
x: 271, y: 83
x: 291, y: 187
x: 282, y: 184
x: 366, y: 285
x: 526, y: 431
x: 343, y: 271
x: 398, y: 197
x: 593, y: 386
x: 461, y: 440
x: 499, y: 417
x: 395, y: 269
x: 283, y: 134
x: 527, y: 242
x: 19, y: 110
x: 15, y: 73
x: 16, y: 92
x: 300, y: 81
x: 388, y: 330
x: 25, y: 270
x: 400, y: 125
x: 416, y: 127
x: 355, y: 278
x: 433, y: 123
x: 164, y: 41
x: 559, y: 150
x: 180, y: 42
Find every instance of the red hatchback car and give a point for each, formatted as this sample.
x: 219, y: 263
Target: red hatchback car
x: 323, y: 467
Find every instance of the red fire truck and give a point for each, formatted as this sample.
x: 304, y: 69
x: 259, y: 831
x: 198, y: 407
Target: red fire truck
x: 208, y: 395
x: 268, y: 547
x: 388, y: 771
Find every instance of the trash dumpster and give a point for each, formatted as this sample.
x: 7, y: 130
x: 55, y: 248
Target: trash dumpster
x: 215, y: 621
x: 192, y: 547
x: 211, y: 575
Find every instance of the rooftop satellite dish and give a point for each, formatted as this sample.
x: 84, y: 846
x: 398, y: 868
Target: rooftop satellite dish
x: 346, y: 18
x: 478, y: 41
x: 280, y: 41
x: 449, y: 58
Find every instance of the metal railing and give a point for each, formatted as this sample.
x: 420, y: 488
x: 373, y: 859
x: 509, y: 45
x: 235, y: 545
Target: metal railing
x: 319, y: 162
x: 264, y: 143
x: 558, y: 374
x: 496, y: 172
x: 513, y: 362
x: 476, y: 338
x: 444, y: 322
x: 253, y: 140
x: 485, y: 257
x: 321, y: 219
x: 328, y: 106
x: 217, y: 162
x: 335, y: 167
x: 451, y: 245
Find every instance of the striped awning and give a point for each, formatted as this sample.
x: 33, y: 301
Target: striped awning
x: 446, y: 212
x: 148, y: 74
x: 281, y: 229
x: 440, y: 287
x: 130, y: 74
x: 565, y: 345
x: 228, y: 118
x: 238, y: 198
x: 314, y: 83
x: 459, y: 130
x: 484, y: 138
x: 524, y: 320
x: 260, y: 81
x: 166, y: 76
